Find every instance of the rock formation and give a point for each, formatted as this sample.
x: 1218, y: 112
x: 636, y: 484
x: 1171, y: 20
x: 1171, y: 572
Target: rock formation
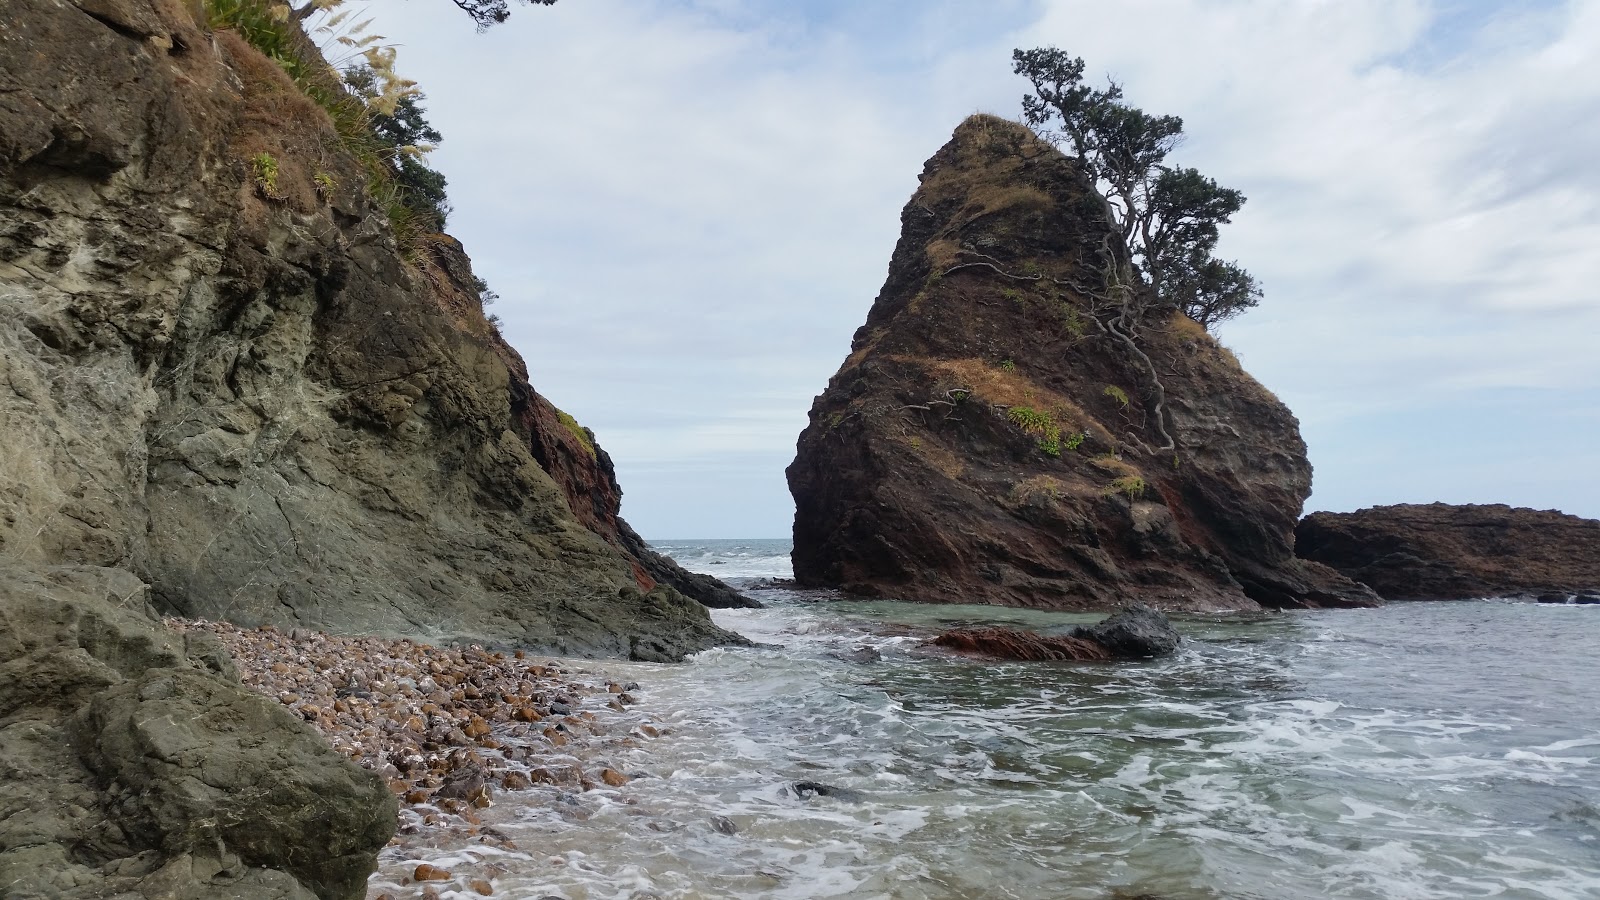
x: 243, y: 390
x: 1137, y: 632
x: 135, y: 765
x: 1437, y: 551
x: 986, y: 441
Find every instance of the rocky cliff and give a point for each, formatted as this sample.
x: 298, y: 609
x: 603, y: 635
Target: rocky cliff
x: 243, y: 390
x: 1437, y: 551
x: 986, y: 441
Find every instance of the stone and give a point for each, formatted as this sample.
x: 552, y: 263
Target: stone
x: 1439, y: 551
x: 613, y: 778
x: 986, y: 442
x: 1134, y: 633
x: 805, y: 790
x: 219, y: 791
x: 428, y: 872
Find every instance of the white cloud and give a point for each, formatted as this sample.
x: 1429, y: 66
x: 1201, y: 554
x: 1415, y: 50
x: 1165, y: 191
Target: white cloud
x: 688, y: 208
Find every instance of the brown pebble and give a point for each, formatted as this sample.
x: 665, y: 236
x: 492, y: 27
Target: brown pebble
x: 516, y: 781
x: 418, y: 796
x: 426, y: 872
x: 613, y: 777
x: 481, y: 886
x: 526, y: 714
x: 649, y: 730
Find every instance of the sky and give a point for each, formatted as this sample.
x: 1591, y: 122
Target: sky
x: 687, y: 207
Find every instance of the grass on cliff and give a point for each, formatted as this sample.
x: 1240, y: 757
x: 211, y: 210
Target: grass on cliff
x: 578, y: 432
x: 264, y: 25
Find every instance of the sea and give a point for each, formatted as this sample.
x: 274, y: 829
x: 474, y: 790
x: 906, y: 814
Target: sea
x: 1440, y: 750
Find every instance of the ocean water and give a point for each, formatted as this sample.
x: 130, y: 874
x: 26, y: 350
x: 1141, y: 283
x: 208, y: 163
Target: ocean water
x: 1414, y: 751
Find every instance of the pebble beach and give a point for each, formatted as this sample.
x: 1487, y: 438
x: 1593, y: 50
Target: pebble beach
x: 449, y: 729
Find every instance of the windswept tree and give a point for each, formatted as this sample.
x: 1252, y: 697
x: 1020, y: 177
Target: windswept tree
x: 486, y: 13
x: 1167, y: 217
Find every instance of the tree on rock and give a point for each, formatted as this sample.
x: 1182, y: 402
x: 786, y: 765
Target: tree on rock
x: 1169, y: 218
x: 491, y: 12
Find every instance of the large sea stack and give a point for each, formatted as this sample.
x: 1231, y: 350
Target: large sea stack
x: 224, y: 374
x: 987, y: 441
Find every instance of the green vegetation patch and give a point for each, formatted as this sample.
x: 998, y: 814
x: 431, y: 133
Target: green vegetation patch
x: 579, y: 432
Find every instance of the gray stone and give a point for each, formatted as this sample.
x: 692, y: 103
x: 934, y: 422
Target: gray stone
x: 1137, y: 631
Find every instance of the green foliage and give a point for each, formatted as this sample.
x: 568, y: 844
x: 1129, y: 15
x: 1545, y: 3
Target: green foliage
x: 325, y: 183
x: 1074, y: 441
x: 1008, y: 365
x: 264, y: 169
x: 579, y: 432
x: 1040, y: 423
x: 1117, y: 394
x: 403, y: 136
x: 1012, y: 294
x: 1168, y: 216
x: 375, y: 124
x: 1132, y: 485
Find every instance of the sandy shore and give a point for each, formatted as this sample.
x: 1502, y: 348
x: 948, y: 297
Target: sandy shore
x: 447, y: 728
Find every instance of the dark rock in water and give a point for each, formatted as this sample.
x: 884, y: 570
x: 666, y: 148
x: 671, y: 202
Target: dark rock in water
x: 136, y: 769
x: 1439, y: 551
x: 1554, y: 598
x: 723, y: 825
x: 808, y: 789
x: 1586, y: 600
x: 860, y: 655
x: 1136, y: 632
x: 988, y: 441
x: 251, y: 394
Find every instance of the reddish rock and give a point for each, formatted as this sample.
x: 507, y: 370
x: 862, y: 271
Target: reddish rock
x: 426, y: 872
x: 1014, y: 643
x: 1438, y: 551
x: 987, y: 441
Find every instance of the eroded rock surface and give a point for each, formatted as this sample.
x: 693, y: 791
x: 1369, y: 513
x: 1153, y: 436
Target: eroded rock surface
x: 1137, y: 632
x: 1439, y: 551
x: 987, y: 442
x: 136, y: 766
x: 251, y: 396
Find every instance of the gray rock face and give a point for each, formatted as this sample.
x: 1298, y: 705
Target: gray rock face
x: 253, y: 399
x: 1136, y: 632
x: 135, y: 766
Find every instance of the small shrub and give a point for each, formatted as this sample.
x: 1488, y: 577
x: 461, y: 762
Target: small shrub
x: 1132, y: 485
x: 1040, y: 423
x: 324, y: 183
x: 1074, y: 441
x: 1117, y: 394
x: 1008, y: 365
x: 264, y: 169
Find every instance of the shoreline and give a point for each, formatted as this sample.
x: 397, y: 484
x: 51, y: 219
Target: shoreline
x: 447, y: 729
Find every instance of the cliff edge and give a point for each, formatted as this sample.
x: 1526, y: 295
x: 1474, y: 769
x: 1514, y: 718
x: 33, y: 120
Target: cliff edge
x: 986, y: 441
x: 220, y: 371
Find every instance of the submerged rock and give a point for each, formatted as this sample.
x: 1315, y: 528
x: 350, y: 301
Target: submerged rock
x: 1439, y: 551
x: 1137, y: 632
x: 987, y: 441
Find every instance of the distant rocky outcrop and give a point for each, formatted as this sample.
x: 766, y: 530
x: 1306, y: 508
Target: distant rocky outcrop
x: 244, y: 391
x: 135, y: 765
x: 1137, y: 632
x: 1439, y: 551
x: 986, y: 441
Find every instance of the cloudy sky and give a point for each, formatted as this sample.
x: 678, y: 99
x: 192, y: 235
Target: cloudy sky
x: 687, y: 207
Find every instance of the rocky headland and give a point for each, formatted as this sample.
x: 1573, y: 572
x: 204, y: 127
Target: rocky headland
x: 236, y: 386
x: 988, y: 441
x: 1438, y: 551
